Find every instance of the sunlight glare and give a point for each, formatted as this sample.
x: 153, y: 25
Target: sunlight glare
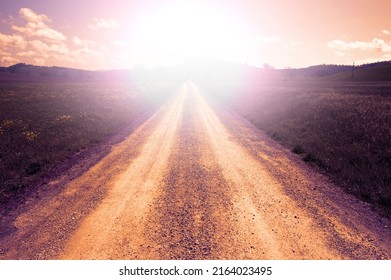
x: 179, y: 32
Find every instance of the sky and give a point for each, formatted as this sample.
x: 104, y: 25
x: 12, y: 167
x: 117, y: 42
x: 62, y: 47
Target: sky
x: 123, y: 34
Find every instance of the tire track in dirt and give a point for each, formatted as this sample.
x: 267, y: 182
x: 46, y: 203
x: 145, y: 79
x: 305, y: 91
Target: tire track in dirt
x: 278, y: 229
x: 221, y: 201
x: 42, y: 227
x: 196, y: 182
x: 114, y: 229
x: 297, y: 220
x: 191, y: 219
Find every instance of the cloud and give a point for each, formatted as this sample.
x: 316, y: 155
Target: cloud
x: 27, y: 54
x: 36, y: 40
x: 375, y: 44
x: 83, y: 43
x: 30, y: 16
x: 4, y: 53
x: 83, y: 56
x: 105, y: 23
x: 39, y: 61
x: 6, y: 58
x: 385, y: 31
x: 87, y: 52
x: 46, y: 49
x: 14, y: 41
x: 36, y: 27
x: 77, y: 41
x: 387, y: 48
x: 50, y: 34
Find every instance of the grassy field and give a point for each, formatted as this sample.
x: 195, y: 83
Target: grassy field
x: 343, y: 128
x: 41, y: 124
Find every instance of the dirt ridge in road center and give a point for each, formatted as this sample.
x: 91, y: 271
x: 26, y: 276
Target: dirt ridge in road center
x: 191, y: 220
x: 114, y: 229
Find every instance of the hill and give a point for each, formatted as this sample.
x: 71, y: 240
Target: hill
x: 204, y: 69
x: 376, y: 72
x: 366, y: 73
x: 22, y: 72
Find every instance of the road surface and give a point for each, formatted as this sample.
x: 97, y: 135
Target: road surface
x: 195, y: 181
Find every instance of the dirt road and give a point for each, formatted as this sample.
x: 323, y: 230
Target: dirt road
x: 194, y: 182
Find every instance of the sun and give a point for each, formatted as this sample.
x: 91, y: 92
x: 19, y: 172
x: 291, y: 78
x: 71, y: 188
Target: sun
x: 175, y: 33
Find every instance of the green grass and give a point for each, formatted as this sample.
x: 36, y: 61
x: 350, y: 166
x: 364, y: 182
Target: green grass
x: 43, y: 124
x: 343, y: 128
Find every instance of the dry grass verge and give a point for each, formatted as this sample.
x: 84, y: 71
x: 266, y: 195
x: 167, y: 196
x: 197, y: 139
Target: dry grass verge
x: 41, y: 124
x: 343, y: 128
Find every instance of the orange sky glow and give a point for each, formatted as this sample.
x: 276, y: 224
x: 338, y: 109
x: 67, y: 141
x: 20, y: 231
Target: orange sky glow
x: 125, y: 34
